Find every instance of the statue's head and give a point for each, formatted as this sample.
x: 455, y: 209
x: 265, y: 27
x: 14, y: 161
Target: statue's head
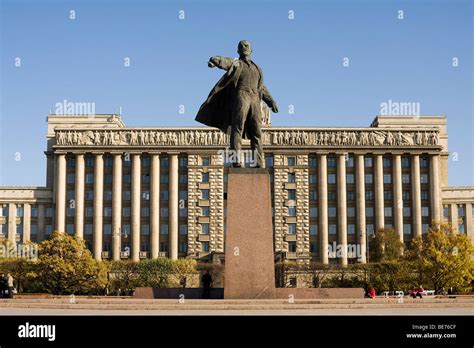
x: 244, y: 49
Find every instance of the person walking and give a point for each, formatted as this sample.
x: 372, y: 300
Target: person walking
x: 3, y: 285
x: 206, y: 284
x: 10, y: 285
x: 372, y: 292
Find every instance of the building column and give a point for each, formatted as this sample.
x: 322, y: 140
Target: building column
x: 416, y: 194
x: 98, y: 205
x: 173, y: 208
x: 136, y: 198
x: 342, y: 207
x: 61, y: 194
x: 360, y: 206
x: 41, y: 222
x: 379, y: 203
x: 435, y: 188
x: 469, y: 231
x: 323, y: 208
x: 12, y: 222
x: 397, y: 195
x: 26, y: 222
x: 79, y: 216
x: 454, y: 216
x: 155, y: 206
x: 116, y: 206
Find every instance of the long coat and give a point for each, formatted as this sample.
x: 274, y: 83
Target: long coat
x: 216, y: 110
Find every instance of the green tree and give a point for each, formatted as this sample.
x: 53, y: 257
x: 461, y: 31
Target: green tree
x: 385, y: 246
x: 155, y: 273
x: 66, y: 266
x: 442, y: 259
x: 123, y: 275
x: 181, y: 269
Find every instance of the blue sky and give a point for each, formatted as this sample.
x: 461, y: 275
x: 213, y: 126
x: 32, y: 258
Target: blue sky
x: 82, y: 60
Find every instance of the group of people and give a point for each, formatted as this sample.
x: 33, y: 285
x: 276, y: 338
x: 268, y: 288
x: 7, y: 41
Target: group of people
x: 6, y: 286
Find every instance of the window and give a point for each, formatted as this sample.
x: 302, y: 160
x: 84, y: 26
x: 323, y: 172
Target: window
x: 425, y: 211
x: 268, y: 161
x: 369, y: 178
x: 461, y: 228
x: 19, y: 211
x: 291, y: 194
x: 145, y: 178
x: 424, y: 178
x: 108, y: 195
x: 313, y: 212
x: 423, y: 162
x: 291, y: 211
x: 34, y: 212
x: 89, y: 211
x: 205, y: 177
x: 70, y: 229
x: 126, y: 211
x: 164, y: 178
x: 406, y: 229
x: 370, y: 229
x: 406, y: 211
x: 331, y: 178
x: 205, y: 247
x: 70, y: 212
x: 350, y: 195
x: 145, y: 211
x: 313, y: 179
x: 70, y: 178
x: 332, y: 229
x: 126, y: 195
x: 107, y: 211
x: 108, y: 178
x: 164, y: 161
x: 313, y: 162
x: 48, y: 229
x: 446, y: 213
x: 89, y: 195
x: 387, y: 195
x: 183, y: 247
x: 183, y: 178
x: 351, y: 212
x: 332, y: 195
x: 405, y: 178
x: 145, y: 229
x: 313, y: 230
x: 332, y: 211
x: 125, y: 230
x: 331, y: 162
x: 460, y: 211
x: 313, y: 247
x: 34, y: 229
x: 405, y: 162
x: 424, y: 195
x: 163, y: 247
x: 350, y: 178
x: 388, y: 211
x: 107, y: 229
x: 368, y: 161
x: 369, y: 195
x: 425, y: 228
x: 71, y: 162
x: 146, y: 161
x: 205, y: 160
x: 351, y: 229
x: 49, y: 212
x: 164, y: 229
x: 350, y: 161
x: 291, y: 177
x: 313, y: 195
x: 164, y: 195
x: 4, y: 211
x: 108, y: 161
x: 292, y: 247
x: 205, y: 211
x: 183, y: 212
x: 369, y: 211
x: 183, y: 161
x: 205, y: 228
x: 205, y: 194
x: 387, y: 178
x: 164, y: 211
x: 291, y: 228
x: 89, y: 161
x: 89, y: 178
x: 387, y: 162
x: 183, y: 229
x: 406, y: 195
x: 182, y: 195
x: 291, y: 161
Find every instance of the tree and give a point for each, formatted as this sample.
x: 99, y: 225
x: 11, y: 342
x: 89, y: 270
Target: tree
x: 154, y: 273
x: 442, y: 259
x: 123, y: 275
x: 385, y: 246
x: 181, y: 268
x: 66, y: 266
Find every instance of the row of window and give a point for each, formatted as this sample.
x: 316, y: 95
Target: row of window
x: 146, y: 161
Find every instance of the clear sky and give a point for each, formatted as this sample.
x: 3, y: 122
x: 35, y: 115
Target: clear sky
x: 82, y: 60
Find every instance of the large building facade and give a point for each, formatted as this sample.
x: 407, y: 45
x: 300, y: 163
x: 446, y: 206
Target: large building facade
x: 134, y: 193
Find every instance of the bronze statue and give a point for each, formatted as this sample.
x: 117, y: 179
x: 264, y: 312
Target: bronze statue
x: 235, y: 101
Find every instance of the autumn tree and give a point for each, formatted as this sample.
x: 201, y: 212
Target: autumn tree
x: 443, y: 258
x: 385, y: 246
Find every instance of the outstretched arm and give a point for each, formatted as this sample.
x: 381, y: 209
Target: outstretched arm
x: 267, y: 98
x: 221, y: 62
